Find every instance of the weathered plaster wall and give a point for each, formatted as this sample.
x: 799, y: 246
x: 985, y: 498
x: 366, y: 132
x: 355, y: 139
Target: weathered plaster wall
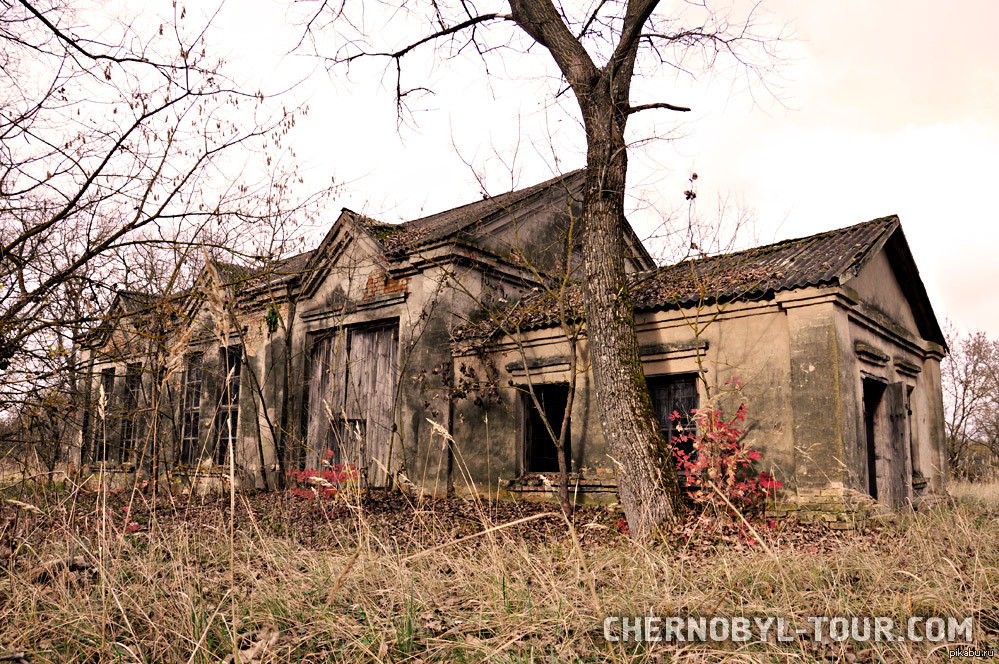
x: 424, y: 371
x: 877, y: 287
x: 746, y: 341
x: 534, y: 233
x: 816, y: 388
x: 883, y: 342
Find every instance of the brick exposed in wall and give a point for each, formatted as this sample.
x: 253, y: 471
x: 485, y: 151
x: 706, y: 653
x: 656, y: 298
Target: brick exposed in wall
x: 837, y: 508
x: 380, y: 284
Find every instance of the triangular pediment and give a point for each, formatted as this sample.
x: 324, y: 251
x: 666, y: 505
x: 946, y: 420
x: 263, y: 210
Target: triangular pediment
x: 888, y: 280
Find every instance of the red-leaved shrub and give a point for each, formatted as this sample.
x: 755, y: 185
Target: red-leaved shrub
x: 720, y: 460
x: 329, y: 482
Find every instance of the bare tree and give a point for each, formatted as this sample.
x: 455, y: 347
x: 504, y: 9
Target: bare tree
x: 599, y: 53
x: 117, y: 132
x: 970, y: 376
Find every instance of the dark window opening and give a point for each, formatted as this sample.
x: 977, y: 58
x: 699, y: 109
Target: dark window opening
x: 676, y: 393
x: 130, y: 412
x: 873, y: 391
x: 541, y: 451
x: 192, y: 410
x: 227, y: 416
x: 106, y: 431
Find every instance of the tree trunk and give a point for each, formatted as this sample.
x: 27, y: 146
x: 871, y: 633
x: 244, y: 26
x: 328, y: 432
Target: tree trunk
x: 650, y: 493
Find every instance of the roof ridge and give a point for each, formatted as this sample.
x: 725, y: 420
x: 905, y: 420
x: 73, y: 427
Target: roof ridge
x: 446, y: 223
x: 814, y: 237
x: 524, y: 191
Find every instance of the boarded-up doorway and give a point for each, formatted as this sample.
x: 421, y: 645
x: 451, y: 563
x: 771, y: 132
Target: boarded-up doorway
x: 351, y: 400
x: 886, y: 428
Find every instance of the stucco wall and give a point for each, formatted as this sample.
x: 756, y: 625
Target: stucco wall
x: 795, y: 355
x: 747, y: 342
x: 882, y: 342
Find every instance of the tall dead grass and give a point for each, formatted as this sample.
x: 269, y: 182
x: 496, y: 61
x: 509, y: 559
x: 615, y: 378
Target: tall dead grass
x: 78, y: 587
x: 982, y: 495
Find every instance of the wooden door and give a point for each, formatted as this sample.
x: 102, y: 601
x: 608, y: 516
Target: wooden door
x: 900, y: 467
x: 327, y: 375
x: 371, y: 397
x: 352, y: 390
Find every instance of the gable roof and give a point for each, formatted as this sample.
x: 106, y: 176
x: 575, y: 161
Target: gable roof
x: 397, y: 238
x: 132, y: 301
x: 242, y: 278
x: 823, y: 259
x: 126, y: 304
x: 815, y: 260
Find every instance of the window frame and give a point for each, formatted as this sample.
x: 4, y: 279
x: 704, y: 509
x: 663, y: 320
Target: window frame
x: 190, y: 414
x: 104, y: 436
x: 228, y: 402
x: 527, y: 410
x: 130, y: 411
x: 670, y: 430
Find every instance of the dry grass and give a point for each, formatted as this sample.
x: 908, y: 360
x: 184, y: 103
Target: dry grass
x: 192, y: 584
x: 982, y: 495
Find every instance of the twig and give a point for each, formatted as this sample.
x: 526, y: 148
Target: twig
x: 478, y: 534
x: 755, y: 532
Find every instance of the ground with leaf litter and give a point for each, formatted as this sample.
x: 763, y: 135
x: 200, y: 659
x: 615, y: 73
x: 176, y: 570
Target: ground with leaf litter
x: 274, y: 577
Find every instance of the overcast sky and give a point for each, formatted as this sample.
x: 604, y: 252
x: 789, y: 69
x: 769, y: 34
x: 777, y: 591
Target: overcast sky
x: 881, y: 108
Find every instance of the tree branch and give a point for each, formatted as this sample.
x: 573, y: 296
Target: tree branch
x: 73, y: 43
x: 591, y: 19
x: 635, y: 16
x: 646, y: 107
x: 541, y: 21
x: 396, y: 55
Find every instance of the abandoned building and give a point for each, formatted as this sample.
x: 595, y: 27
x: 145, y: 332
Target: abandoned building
x: 405, y: 354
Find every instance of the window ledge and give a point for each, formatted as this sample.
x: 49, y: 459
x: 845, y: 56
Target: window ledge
x: 533, y: 482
